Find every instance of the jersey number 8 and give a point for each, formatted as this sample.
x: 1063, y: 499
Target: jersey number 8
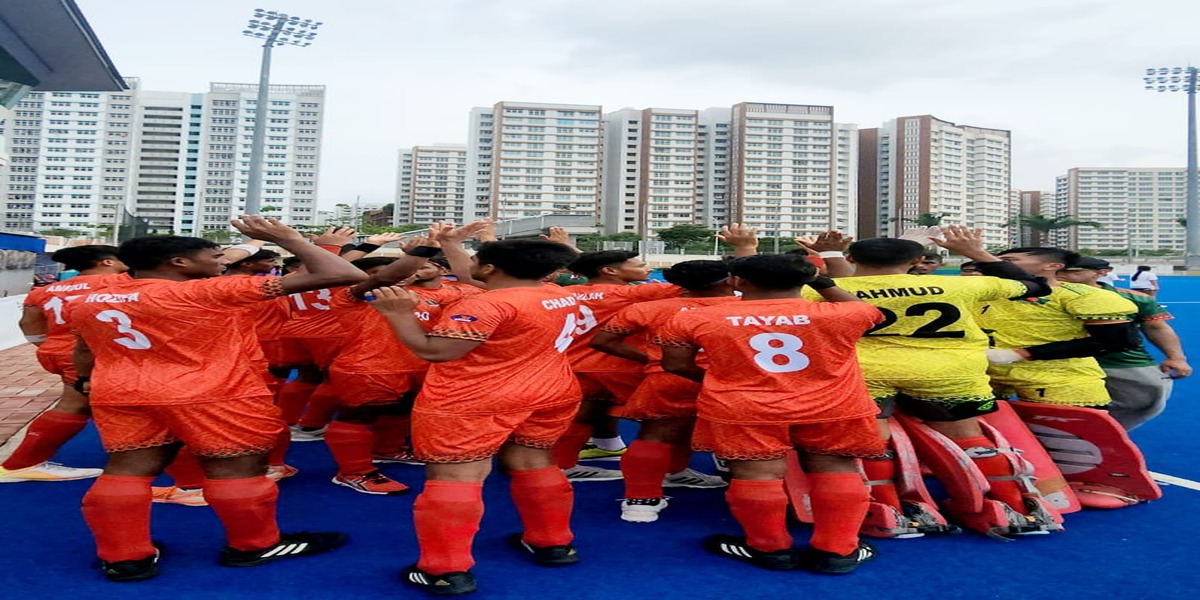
x: 779, y: 352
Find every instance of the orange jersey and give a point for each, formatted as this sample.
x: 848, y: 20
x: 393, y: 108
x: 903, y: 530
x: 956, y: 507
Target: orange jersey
x: 369, y: 345
x: 640, y: 321
x: 778, y: 361
x: 160, y: 342
x: 269, y: 318
x: 52, y: 301
x: 520, y: 366
x: 311, y: 315
x: 598, y: 303
x: 434, y: 300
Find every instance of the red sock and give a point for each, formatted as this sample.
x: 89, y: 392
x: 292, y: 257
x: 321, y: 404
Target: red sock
x: 544, y: 499
x: 293, y: 396
x: 46, y: 434
x: 391, y: 433
x: 839, y: 504
x: 566, y: 450
x: 246, y: 508
x: 117, y: 510
x: 278, y: 455
x: 681, y: 457
x: 321, y: 406
x: 1004, y: 490
x: 446, y: 516
x: 882, y: 475
x: 350, y: 444
x: 186, y: 470
x: 760, y: 507
x: 644, y: 466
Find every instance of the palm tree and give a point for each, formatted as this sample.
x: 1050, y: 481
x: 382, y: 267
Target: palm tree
x: 1038, y: 225
x: 926, y: 219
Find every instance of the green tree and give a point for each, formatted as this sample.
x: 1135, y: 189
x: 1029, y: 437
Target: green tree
x: 62, y: 232
x: 1039, y: 225
x: 680, y: 237
x: 925, y: 219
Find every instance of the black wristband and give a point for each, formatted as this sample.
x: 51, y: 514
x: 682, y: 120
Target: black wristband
x: 79, y: 381
x: 365, y: 247
x: 425, y: 251
x: 822, y: 283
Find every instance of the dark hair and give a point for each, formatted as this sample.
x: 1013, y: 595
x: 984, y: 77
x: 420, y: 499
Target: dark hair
x: 969, y: 264
x: 931, y: 256
x: 440, y: 261
x: 371, y: 262
x: 589, y: 264
x: 260, y: 255
x: 774, y: 271
x: 1053, y: 254
x: 292, y: 262
x: 82, y: 258
x: 526, y: 259
x: 697, y: 274
x: 885, y: 252
x: 150, y: 252
x: 1141, y: 269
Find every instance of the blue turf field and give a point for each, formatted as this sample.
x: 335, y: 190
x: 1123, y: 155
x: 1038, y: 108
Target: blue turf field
x: 1136, y: 553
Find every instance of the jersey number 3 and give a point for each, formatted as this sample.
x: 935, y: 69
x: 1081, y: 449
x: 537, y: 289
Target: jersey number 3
x: 136, y: 340
x: 779, y: 352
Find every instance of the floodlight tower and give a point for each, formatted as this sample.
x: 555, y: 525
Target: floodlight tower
x: 274, y: 29
x: 1183, y: 79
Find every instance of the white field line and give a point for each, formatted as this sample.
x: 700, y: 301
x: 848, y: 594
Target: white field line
x: 1177, y: 481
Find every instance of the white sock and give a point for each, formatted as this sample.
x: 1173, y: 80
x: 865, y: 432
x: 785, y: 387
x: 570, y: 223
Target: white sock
x: 610, y: 444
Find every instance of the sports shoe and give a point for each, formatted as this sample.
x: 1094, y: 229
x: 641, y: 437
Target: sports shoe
x: 277, y: 472
x: 733, y: 546
x: 403, y: 457
x: 820, y: 561
x: 547, y: 556
x: 307, y: 434
x: 642, y: 510
x: 132, y: 570
x: 290, y: 545
x: 372, y: 483
x: 47, y: 471
x: 178, y: 495
x: 586, y: 473
x: 593, y: 452
x: 689, y: 478
x: 446, y: 584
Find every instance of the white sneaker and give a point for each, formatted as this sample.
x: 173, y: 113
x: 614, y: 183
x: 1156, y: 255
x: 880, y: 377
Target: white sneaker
x: 642, y: 510
x: 300, y: 434
x: 586, y: 473
x: 47, y: 471
x: 689, y: 478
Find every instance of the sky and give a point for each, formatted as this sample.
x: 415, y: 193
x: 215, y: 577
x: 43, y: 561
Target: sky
x: 1065, y: 76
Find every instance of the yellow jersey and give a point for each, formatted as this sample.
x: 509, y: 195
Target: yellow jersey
x: 1055, y: 318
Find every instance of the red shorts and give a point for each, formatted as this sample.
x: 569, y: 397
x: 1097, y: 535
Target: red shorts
x: 662, y: 396
x: 58, y: 363
x: 442, y: 438
x: 361, y: 389
x: 609, y: 386
x: 857, y: 438
x: 223, y: 429
x: 285, y: 353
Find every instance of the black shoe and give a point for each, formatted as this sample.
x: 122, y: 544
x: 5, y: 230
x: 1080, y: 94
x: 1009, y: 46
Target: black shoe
x: 291, y: 545
x: 132, y: 570
x: 446, y: 584
x: 549, y: 556
x: 820, y: 561
x: 733, y: 546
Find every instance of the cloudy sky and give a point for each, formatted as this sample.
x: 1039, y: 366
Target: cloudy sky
x: 1063, y: 75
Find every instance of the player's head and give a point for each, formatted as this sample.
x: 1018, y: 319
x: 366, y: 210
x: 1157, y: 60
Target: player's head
x: 613, y: 264
x: 186, y: 257
x: 930, y: 262
x: 292, y: 264
x: 432, y: 270
x: 520, y: 259
x: 1038, y: 260
x: 259, y: 263
x: 885, y: 252
x: 699, y: 275
x: 90, y: 258
x: 1085, y: 269
x: 771, y: 272
x: 969, y: 268
x: 372, y: 265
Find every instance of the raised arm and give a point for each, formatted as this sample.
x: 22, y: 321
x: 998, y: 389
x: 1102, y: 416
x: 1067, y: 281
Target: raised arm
x: 396, y: 304
x: 969, y: 243
x: 742, y: 237
x: 831, y: 247
x: 417, y: 252
x: 451, y: 240
x: 322, y: 269
x: 558, y: 235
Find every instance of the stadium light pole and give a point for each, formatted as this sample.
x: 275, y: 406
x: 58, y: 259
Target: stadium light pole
x: 1184, y: 79
x: 274, y: 29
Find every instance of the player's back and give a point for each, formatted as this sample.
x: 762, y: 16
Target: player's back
x: 1057, y: 317
x: 642, y: 320
x: 599, y: 302
x: 52, y: 301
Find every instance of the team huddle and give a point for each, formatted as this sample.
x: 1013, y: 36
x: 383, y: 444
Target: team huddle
x: 823, y: 381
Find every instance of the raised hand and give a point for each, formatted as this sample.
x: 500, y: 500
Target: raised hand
x: 381, y: 239
x: 267, y: 230
x: 335, y: 236
x: 458, y: 235
x: 412, y: 243
x: 557, y: 234
x: 922, y: 235
x: 393, y: 300
x: 963, y: 240
x: 739, y: 235
x: 830, y: 241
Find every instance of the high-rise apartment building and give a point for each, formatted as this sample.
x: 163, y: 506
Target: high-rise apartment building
x: 432, y: 185
x: 923, y: 165
x: 1137, y: 208
x: 527, y: 159
x: 177, y: 161
x: 652, y: 166
x: 1030, y: 203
